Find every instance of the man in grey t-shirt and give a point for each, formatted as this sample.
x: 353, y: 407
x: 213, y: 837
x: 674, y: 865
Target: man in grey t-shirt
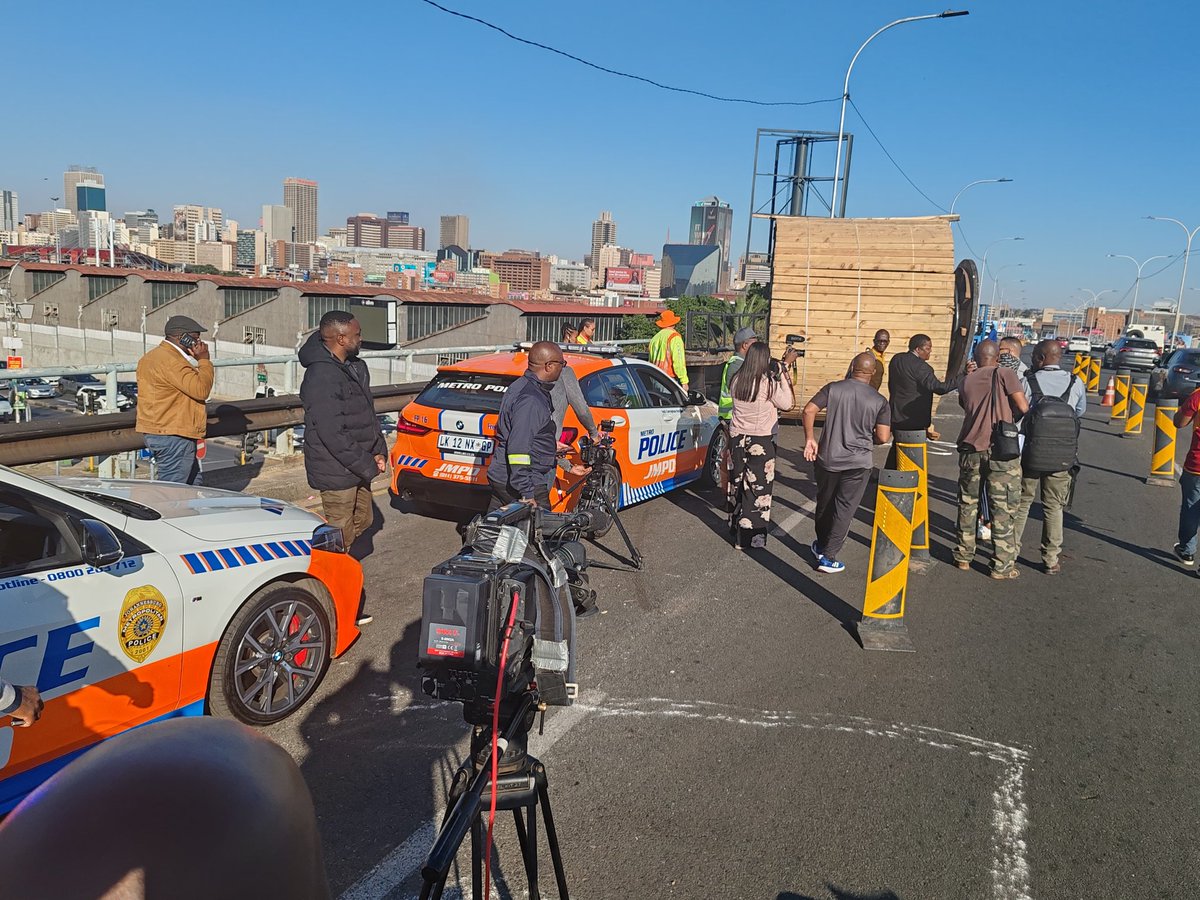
x: 856, y: 417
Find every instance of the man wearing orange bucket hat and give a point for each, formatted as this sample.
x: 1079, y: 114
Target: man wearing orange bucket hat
x: 667, y: 350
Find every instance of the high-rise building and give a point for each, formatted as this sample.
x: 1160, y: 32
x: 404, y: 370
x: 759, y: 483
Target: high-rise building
x: 455, y: 232
x: 365, y: 230
x: 521, y: 269
x: 565, y: 273
x: 89, y: 197
x: 57, y: 220
x: 300, y: 196
x: 10, y: 211
x: 690, y: 270
x: 404, y: 237
x: 197, y: 223
x: 72, y: 178
x: 139, y: 217
x: 369, y: 230
x: 251, y: 249
x: 611, y: 255
x: 712, y: 223
x: 279, y: 224
x: 604, y: 231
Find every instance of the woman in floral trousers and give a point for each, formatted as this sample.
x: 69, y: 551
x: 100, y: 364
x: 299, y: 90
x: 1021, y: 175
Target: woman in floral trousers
x: 761, y: 389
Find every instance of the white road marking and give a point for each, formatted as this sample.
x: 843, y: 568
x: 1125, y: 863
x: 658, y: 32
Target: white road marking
x: 1010, y: 815
x: 807, y: 510
x: 406, y: 859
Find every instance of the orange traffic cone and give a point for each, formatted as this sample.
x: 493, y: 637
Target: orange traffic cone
x: 1110, y: 393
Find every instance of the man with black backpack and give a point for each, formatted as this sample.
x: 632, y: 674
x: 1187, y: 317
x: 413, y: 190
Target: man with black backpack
x: 1057, y: 400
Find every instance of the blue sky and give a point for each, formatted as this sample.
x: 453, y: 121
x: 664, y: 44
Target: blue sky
x: 1090, y: 107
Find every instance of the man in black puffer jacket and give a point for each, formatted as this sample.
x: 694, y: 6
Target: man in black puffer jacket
x: 343, y: 445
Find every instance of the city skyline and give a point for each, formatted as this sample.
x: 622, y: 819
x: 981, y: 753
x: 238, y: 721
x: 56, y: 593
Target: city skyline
x: 1030, y: 104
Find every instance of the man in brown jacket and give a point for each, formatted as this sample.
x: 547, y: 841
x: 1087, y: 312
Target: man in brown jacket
x: 174, y: 380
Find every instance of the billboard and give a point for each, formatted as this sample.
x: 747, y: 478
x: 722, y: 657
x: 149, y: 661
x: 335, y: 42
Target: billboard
x: 443, y: 276
x: 624, y: 279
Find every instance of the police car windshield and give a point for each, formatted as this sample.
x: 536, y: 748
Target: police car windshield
x: 466, y: 391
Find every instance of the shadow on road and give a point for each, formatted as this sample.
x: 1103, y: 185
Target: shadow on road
x: 698, y: 505
x: 836, y: 893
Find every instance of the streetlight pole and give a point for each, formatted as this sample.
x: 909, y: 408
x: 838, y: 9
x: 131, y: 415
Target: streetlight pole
x: 837, y: 166
x: 972, y: 184
x: 1137, y: 283
x: 983, y: 269
x: 1186, y: 253
x: 996, y: 279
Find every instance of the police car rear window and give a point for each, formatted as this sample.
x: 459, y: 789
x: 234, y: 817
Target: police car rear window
x: 466, y: 391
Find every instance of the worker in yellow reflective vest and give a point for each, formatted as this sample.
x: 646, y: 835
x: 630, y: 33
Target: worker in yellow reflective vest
x: 667, y: 350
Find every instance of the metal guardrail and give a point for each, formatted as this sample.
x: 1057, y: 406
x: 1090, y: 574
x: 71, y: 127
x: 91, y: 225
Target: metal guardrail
x: 109, y: 433
x: 114, y: 433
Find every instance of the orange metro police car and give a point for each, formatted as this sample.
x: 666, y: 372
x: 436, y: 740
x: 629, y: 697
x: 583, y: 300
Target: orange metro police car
x: 664, y: 436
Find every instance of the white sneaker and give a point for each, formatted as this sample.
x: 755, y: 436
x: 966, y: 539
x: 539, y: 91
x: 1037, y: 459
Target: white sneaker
x: 984, y: 532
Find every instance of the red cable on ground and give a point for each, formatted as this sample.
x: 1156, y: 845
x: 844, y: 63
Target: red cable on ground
x: 487, y: 859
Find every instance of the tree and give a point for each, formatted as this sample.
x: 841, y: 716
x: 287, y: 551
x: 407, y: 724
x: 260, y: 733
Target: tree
x: 202, y: 270
x: 637, y: 327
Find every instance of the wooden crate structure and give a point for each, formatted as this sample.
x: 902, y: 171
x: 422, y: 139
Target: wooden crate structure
x: 838, y: 281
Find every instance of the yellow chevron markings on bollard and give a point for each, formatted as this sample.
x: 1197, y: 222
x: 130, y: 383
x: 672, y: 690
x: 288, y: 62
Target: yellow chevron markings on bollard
x: 882, y: 626
x: 1137, y: 409
x: 1120, y: 407
x: 1162, y: 460
x: 1093, y: 379
x: 912, y: 455
x: 1080, y: 368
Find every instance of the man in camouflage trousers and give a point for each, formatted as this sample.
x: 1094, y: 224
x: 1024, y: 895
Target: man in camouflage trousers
x: 988, y: 395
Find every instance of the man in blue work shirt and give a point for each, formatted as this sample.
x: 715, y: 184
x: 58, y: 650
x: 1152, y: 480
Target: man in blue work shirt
x: 1048, y: 379
x: 526, y: 438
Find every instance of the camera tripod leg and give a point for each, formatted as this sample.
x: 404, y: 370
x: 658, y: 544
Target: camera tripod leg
x: 528, y: 840
x: 638, y: 562
x: 477, y: 851
x: 560, y: 876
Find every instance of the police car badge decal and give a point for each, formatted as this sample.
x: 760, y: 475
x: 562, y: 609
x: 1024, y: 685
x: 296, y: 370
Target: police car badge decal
x: 142, y: 622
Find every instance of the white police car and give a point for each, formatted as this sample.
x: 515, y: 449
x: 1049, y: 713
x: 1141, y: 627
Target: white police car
x: 125, y: 602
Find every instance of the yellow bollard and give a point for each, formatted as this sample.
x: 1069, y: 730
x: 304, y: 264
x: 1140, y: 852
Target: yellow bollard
x: 1120, y: 407
x: 882, y: 625
x: 1080, y: 369
x: 912, y: 456
x: 1093, y: 378
x: 1162, y: 460
x: 1137, y: 405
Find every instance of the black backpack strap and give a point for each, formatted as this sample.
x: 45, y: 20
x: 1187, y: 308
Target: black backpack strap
x: 1067, y: 392
x: 1036, y: 388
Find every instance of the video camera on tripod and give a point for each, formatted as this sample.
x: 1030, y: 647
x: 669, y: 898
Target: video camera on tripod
x: 508, y: 578
x: 498, y: 636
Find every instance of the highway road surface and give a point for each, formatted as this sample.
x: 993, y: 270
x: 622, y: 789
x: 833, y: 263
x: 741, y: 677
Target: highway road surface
x: 733, y: 740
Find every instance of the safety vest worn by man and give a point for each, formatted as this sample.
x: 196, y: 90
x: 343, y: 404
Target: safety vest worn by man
x: 667, y: 352
x: 725, y: 407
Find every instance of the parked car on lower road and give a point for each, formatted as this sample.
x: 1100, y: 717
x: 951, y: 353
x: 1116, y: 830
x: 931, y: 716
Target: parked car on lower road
x: 6, y: 412
x: 37, y: 388
x: 69, y: 385
x: 1132, y: 353
x: 99, y: 397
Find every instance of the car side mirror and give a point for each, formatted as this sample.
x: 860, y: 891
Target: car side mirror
x: 695, y: 398
x: 100, y: 546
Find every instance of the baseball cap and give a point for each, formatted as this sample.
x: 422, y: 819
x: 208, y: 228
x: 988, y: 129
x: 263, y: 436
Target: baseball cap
x: 743, y: 335
x: 182, y: 325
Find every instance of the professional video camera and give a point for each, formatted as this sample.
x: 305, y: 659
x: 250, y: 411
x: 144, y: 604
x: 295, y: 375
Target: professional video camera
x: 498, y: 636
x: 508, y: 581
x: 599, y: 492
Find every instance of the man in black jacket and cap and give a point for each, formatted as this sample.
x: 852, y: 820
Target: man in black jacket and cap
x: 911, y: 386
x: 343, y: 444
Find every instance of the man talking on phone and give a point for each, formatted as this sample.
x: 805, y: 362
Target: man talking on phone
x: 174, y: 379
